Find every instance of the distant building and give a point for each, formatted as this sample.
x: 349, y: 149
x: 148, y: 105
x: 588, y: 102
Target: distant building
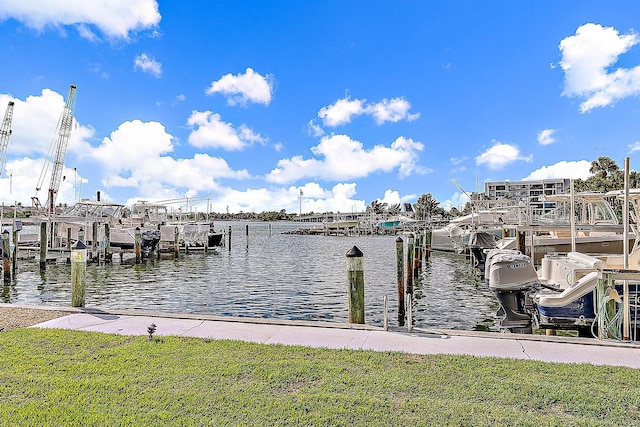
x: 531, y: 192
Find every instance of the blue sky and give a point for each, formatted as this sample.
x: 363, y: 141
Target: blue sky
x: 242, y: 105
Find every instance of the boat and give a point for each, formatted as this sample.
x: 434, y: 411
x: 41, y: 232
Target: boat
x: 454, y: 237
x: 595, y: 229
x: 563, y: 293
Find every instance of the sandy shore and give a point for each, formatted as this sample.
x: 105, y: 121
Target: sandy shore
x: 21, y: 317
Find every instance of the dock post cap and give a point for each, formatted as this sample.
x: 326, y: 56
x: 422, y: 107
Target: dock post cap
x: 399, y: 239
x: 79, y: 245
x: 354, y: 252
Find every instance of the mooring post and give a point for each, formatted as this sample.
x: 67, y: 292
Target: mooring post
x: 229, y: 239
x: 355, y: 276
x: 78, y: 273
x: 69, y: 238
x: 416, y: 256
x: 409, y: 264
x: 14, y: 256
x: 521, y: 241
x: 409, y: 313
x: 176, y: 242
x: 94, y: 240
x: 137, y: 243
x: 6, y: 261
x: 107, y: 243
x: 400, y: 278
x: 43, y: 245
x: 247, y: 235
x: 427, y: 244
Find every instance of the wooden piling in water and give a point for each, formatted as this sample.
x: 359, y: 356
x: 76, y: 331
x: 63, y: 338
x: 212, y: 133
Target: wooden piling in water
x: 43, y: 245
x: 137, y: 245
x: 94, y: 240
x: 409, y: 265
x: 247, y: 235
x: 400, y: 278
x: 78, y: 273
x: 521, y: 241
x: 229, y: 239
x: 14, y: 257
x: 427, y: 245
x: 107, y: 243
x: 176, y: 242
x: 6, y: 261
x: 355, y: 277
x: 416, y: 256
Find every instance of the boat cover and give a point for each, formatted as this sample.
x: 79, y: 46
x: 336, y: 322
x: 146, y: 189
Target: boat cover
x: 508, y: 270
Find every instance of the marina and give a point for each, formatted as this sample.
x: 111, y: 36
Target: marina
x: 270, y: 274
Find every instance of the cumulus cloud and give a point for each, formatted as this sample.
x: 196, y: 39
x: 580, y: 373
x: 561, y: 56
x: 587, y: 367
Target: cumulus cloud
x: 114, y: 18
x: 338, y: 157
x: 209, y: 131
x: 344, y: 110
x: 147, y: 64
x: 587, y: 58
x: 137, y: 155
x: 341, y: 112
x: 242, y: 88
x: 500, y: 155
x: 545, y: 137
x: 392, y: 110
x: 563, y: 169
x: 132, y: 144
x: 44, y: 109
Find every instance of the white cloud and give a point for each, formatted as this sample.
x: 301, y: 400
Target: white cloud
x: 587, y: 57
x: 392, y: 110
x: 132, y: 144
x: 500, y: 155
x: 563, y: 169
x: 209, y: 131
x: 634, y: 147
x: 339, y: 157
x: 340, y: 198
x: 313, y: 129
x: 341, y: 112
x: 147, y: 64
x: 457, y: 200
x: 344, y: 110
x: 545, y: 137
x: 242, y: 88
x: 114, y: 18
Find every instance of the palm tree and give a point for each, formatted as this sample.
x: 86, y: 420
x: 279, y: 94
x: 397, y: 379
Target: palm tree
x: 603, y: 167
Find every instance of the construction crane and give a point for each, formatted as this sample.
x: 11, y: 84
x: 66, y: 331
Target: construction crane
x: 5, y: 134
x: 57, y: 153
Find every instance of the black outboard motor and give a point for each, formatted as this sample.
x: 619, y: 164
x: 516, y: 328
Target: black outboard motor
x: 513, y: 279
x: 479, y: 242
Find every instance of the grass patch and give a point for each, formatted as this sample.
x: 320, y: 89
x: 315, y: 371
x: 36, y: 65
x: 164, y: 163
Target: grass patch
x: 56, y: 377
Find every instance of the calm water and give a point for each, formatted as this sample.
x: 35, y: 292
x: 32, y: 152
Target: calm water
x: 274, y: 275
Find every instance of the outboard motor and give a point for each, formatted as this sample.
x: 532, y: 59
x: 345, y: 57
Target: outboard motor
x: 479, y: 243
x: 512, y: 277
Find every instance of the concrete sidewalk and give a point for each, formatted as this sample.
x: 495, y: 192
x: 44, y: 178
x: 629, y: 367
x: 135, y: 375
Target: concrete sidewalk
x: 356, y: 337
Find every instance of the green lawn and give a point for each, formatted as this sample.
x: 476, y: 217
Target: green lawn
x: 66, y: 378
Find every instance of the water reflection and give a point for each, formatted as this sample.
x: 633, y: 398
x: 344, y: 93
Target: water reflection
x: 271, y: 275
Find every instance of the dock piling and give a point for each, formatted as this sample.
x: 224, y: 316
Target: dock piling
x: 43, y: 245
x: 6, y: 261
x: 78, y: 273
x: 400, y: 278
x: 409, y: 264
x: 355, y: 276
